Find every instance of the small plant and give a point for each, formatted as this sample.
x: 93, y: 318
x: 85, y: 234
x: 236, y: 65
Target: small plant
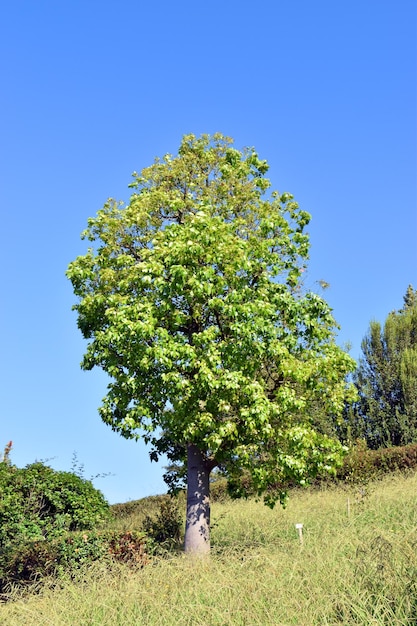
x: 78, y: 549
x: 166, y: 525
x: 129, y: 547
x: 6, y: 453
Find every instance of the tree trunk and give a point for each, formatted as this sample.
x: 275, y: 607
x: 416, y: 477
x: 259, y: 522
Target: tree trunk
x: 197, y: 528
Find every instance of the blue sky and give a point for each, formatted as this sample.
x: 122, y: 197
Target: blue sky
x: 91, y: 91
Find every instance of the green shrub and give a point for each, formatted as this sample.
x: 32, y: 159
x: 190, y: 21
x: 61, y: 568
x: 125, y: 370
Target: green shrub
x: 32, y: 562
x: 362, y: 464
x: 38, y: 502
x: 165, y: 526
x: 25, y: 564
x: 219, y: 490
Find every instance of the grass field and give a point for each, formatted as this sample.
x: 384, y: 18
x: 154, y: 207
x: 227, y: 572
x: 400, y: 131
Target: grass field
x: 353, y: 567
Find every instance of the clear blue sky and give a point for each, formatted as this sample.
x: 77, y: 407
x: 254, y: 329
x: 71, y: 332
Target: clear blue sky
x: 91, y: 91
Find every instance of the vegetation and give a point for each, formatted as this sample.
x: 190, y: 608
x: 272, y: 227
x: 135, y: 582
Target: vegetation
x: 38, y: 502
x: 56, y: 523
x: 356, y: 566
x: 362, y: 464
x: 386, y: 412
x: 191, y: 300
x: 26, y: 566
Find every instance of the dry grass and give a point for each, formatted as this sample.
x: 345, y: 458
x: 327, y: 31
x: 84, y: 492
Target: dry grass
x: 360, y: 569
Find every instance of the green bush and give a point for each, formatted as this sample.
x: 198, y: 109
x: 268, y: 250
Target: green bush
x: 32, y: 562
x: 165, y: 526
x: 362, y: 464
x: 38, y: 502
x: 26, y: 563
x: 219, y: 490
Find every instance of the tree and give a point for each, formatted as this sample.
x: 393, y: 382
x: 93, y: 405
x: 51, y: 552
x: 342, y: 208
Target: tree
x: 386, y: 379
x: 191, y: 301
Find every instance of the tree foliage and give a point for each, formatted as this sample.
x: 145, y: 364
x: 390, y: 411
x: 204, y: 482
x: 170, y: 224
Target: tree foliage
x: 386, y: 379
x: 190, y: 298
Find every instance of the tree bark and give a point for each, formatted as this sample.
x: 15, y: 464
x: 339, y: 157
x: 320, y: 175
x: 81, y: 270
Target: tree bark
x: 197, y: 527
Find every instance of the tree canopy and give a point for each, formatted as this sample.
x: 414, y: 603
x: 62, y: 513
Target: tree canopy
x: 191, y: 299
x: 386, y: 412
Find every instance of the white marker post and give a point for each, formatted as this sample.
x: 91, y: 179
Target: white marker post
x: 299, y: 527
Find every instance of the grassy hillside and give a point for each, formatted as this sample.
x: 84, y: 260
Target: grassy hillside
x: 356, y: 568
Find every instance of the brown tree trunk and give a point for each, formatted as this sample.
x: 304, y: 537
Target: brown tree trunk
x: 197, y: 528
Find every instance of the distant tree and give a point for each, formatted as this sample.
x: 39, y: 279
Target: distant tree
x: 190, y: 299
x: 386, y: 380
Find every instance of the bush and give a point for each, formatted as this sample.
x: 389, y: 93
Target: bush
x: 166, y: 525
x: 362, y: 464
x: 26, y: 563
x: 32, y: 562
x: 130, y: 547
x: 38, y: 502
x: 219, y: 489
